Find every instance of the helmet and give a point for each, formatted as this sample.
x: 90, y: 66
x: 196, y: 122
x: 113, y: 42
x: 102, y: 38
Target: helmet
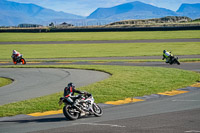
x: 70, y: 84
x: 14, y: 51
x: 164, y: 51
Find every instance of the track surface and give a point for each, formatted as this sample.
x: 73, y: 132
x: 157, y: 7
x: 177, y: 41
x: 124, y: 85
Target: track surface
x: 180, y: 114
x: 168, y: 114
x: 35, y: 82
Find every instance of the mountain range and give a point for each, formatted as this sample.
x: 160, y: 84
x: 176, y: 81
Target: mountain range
x: 139, y: 10
x: 136, y: 10
x: 189, y: 10
x: 13, y: 13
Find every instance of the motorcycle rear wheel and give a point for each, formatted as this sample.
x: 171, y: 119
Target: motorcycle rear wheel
x: 69, y: 113
x: 23, y: 61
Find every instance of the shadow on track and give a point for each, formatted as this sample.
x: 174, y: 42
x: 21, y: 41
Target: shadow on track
x: 40, y: 120
x: 43, y: 120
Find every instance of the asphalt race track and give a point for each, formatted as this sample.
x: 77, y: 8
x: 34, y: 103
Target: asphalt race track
x: 35, y: 82
x: 166, y: 114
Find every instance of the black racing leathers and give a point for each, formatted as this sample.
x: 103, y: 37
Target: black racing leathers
x: 69, y: 93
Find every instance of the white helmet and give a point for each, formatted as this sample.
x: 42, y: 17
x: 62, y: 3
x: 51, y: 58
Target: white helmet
x: 14, y: 52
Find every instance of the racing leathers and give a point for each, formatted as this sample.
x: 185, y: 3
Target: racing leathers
x: 16, y: 55
x: 167, y: 55
x: 69, y: 94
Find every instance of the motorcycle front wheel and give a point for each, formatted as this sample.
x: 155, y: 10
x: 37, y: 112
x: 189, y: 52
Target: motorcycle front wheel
x: 97, y: 110
x: 15, y: 62
x: 70, y: 113
x: 177, y: 62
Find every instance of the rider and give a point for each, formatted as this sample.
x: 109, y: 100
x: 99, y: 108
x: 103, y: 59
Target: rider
x: 167, y: 55
x: 69, y: 93
x: 16, y: 55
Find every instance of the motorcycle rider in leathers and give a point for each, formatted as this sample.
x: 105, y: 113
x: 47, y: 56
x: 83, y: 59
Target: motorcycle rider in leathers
x: 167, y: 55
x: 16, y: 55
x: 69, y: 93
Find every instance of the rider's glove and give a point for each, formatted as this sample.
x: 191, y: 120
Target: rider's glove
x: 62, y: 98
x: 85, y: 93
x: 60, y: 101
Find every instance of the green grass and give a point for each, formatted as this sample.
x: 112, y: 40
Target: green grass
x: 4, y: 81
x: 77, y: 36
x: 190, y: 60
x: 196, y: 20
x: 99, y: 50
x: 125, y: 82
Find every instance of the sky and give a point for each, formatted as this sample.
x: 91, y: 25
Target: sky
x: 86, y: 7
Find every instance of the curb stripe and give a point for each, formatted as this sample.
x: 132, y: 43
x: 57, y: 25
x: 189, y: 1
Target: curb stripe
x: 4, y: 62
x: 32, y: 62
x: 65, y: 62
x: 46, y: 113
x: 125, y: 101
x: 99, y: 62
x: 119, y: 102
x: 174, y: 92
x: 196, y: 85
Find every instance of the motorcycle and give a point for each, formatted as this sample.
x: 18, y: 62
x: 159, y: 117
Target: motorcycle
x: 173, y: 60
x: 84, y: 105
x: 19, y: 60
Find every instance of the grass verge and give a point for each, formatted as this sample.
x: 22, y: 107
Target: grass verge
x: 82, y: 36
x: 125, y: 82
x: 4, y: 81
x: 99, y: 50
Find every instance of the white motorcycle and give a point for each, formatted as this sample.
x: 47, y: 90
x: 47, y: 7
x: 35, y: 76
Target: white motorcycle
x: 84, y: 105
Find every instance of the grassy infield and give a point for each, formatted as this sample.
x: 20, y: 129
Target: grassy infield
x: 4, y: 81
x: 98, y: 50
x: 74, y: 36
x: 124, y: 82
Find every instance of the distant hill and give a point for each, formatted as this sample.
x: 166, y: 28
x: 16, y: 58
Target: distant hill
x: 132, y: 10
x: 190, y: 10
x: 152, y: 22
x: 12, y: 13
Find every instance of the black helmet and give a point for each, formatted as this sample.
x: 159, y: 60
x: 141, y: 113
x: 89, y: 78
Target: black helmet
x: 164, y: 51
x: 70, y: 84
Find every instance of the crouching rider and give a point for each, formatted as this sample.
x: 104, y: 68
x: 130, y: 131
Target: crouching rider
x: 16, y: 55
x: 167, y: 55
